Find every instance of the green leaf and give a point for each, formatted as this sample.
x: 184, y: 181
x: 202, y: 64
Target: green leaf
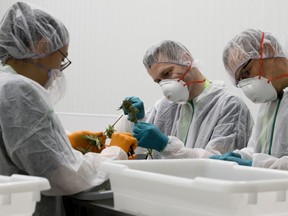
x: 93, y: 141
x: 109, y: 131
x: 84, y: 151
x: 149, y: 153
x: 130, y: 110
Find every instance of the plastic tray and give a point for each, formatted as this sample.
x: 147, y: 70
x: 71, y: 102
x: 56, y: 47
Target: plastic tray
x: 19, y: 194
x: 202, y: 187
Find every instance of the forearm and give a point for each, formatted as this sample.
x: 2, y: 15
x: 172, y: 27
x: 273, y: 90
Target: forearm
x: 83, y: 174
x: 270, y: 162
x: 176, y: 149
x: 246, y: 153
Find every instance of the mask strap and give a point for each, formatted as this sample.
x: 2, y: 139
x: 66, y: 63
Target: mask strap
x: 188, y: 83
x: 196, y: 81
x: 36, y: 64
x: 261, y: 56
x: 261, y: 62
x: 181, y: 78
x: 278, y: 77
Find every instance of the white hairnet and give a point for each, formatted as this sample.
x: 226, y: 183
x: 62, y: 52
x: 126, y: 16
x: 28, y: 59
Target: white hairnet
x: 245, y: 46
x: 28, y: 32
x: 167, y: 51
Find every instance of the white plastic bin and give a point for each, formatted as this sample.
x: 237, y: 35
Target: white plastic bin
x: 196, y: 187
x: 19, y: 194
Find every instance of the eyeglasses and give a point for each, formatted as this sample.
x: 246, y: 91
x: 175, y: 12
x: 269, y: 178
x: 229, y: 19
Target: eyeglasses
x: 244, y: 73
x: 65, y: 63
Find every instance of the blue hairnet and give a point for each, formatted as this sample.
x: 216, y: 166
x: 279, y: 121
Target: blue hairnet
x: 167, y: 51
x: 245, y: 46
x: 29, y: 32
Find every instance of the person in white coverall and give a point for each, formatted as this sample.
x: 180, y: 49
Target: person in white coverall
x: 257, y: 63
x: 196, y: 118
x: 33, y: 54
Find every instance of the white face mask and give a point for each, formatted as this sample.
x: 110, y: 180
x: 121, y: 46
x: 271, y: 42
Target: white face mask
x: 56, y: 85
x: 258, y: 90
x: 175, y: 90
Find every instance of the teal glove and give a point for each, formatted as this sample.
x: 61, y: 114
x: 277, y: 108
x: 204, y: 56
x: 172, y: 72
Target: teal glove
x: 137, y: 103
x: 231, y: 156
x: 149, y: 136
x: 225, y: 156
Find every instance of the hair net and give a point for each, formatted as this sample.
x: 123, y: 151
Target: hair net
x: 245, y: 46
x: 25, y: 29
x: 167, y: 51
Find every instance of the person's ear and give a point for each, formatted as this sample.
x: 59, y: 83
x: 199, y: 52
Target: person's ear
x: 268, y: 49
x: 42, y: 46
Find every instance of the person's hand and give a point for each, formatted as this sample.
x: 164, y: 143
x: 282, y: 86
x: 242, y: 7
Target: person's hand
x: 231, y: 156
x: 225, y: 156
x: 136, y: 103
x: 149, y: 136
x: 87, y: 141
x: 124, y: 140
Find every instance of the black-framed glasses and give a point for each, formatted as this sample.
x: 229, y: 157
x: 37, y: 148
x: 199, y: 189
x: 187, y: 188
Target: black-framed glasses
x: 65, y: 63
x: 244, y: 73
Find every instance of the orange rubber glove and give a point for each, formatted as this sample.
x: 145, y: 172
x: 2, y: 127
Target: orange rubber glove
x: 124, y: 140
x: 87, y: 141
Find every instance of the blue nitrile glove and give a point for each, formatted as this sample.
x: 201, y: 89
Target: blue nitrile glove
x: 231, y: 156
x: 224, y: 156
x: 240, y: 161
x: 149, y: 136
x: 137, y: 103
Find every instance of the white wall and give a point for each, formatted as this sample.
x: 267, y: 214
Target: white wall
x: 109, y: 38
x: 81, y: 121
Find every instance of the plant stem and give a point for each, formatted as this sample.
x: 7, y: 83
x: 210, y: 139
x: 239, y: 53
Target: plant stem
x: 117, y: 120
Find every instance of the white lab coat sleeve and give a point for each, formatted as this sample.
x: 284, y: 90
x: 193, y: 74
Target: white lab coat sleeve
x: 263, y: 160
x: 176, y: 149
x: 270, y: 162
x: 36, y: 144
x: 246, y: 153
x: 84, y: 175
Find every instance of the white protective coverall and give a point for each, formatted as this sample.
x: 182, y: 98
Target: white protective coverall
x: 268, y: 146
x: 215, y: 122
x: 33, y: 142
